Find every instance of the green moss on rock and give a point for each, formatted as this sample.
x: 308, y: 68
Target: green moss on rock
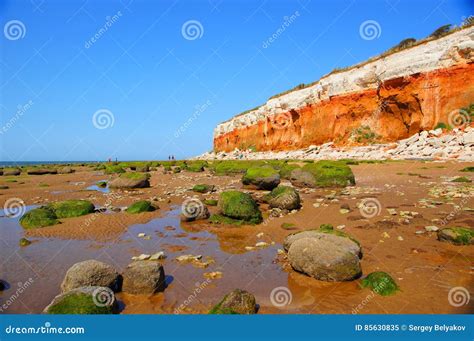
x: 210, y: 202
x: 101, y: 184
x: 38, y: 217
x: 140, y: 206
x: 330, y: 173
x: 381, y: 283
x: 240, y: 206
x: 220, y: 219
x: 72, y: 208
x: 113, y: 169
x: 457, y: 235
x: 81, y: 301
x: 203, y: 188
x: 461, y: 179
x: 262, y: 177
x: 468, y: 169
x: 328, y: 228
x: 24, y: 242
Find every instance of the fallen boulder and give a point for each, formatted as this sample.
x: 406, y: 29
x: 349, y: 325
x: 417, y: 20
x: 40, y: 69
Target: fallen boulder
x: 143, y: 277
x: 91, y: 273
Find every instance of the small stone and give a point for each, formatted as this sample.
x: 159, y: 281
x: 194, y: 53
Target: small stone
x: 213, y: 275
x: 341, y: 227
x: 385, y: 235
x: 249, y: 248
x: 143, y: 256
x: 141, y: 235
x: 260, y: 235
x: 431, y: 228
x: 419, y: 232
x: 400, y: 238
x: 344, y: 211
x: 392, y: 211
x: 158, y: 255
x: 261, y: 244
x: 316, y: 204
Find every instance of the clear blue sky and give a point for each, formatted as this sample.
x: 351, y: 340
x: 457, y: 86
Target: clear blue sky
x: 152, y: 79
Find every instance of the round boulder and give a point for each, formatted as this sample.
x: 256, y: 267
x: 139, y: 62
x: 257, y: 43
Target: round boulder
x: 91, y: 273
x: 131, y: 180
x: 240, y: 206
x: 284, y: 198
x: 327, y: 258
x: 144, y: 277
x: 84, y: 300
x: 236, y: 302
x: 266, y: 178
x: 457, y: 235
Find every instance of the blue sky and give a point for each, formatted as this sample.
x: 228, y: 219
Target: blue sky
x: 166, y: 90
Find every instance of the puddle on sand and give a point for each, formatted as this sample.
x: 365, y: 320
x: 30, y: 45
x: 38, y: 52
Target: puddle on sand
x: 45, y: 262
x: 105, y: 189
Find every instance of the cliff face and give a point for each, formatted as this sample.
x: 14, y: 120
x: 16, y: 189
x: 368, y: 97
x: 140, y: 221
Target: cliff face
x: 388, y: 99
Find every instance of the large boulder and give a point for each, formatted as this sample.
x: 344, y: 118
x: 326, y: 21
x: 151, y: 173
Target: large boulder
x: 266, y: 178
x: 72, y: 208
x: 140, y: 206
x: 284, y: 198
x: 323, y: 174
x: 240, y: 206
x: 38, y: 217
x: 457, y: 235
x: 144, y: 277
x: 131, y: 180
x: 236, y: 302
x: 326, y: 257
x: 326, y: 231
x: 84, y: 300
x: 91, y: 273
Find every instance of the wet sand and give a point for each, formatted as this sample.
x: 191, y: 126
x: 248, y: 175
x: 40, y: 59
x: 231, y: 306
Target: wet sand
x: 424, y: 268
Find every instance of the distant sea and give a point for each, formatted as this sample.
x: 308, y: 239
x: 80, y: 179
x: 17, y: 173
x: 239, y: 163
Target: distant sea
x: 33, y: 163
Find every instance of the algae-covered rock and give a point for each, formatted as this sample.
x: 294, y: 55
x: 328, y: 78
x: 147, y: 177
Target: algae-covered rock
x: 101, y: 184
x: 457, y: 235
x: 140, y: 206
x: 203, y: 188
x: 265, y: 178
x: 24, y: 242
x: 381, y: 283
x: 72, y: 208
x: 113, y: 169
x: 240, y: 206
x: 196, y: 166
x: 210, y: 202
x: 284, y: 198
x: 131, y: 180
x: 236, y: 302
x: 84, y: 300
x: 286, y: 169
x: 323, y: 174
x: 39, y: 217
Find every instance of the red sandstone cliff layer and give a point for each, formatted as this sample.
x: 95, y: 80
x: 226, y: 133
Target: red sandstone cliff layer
x: 396, y: 109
